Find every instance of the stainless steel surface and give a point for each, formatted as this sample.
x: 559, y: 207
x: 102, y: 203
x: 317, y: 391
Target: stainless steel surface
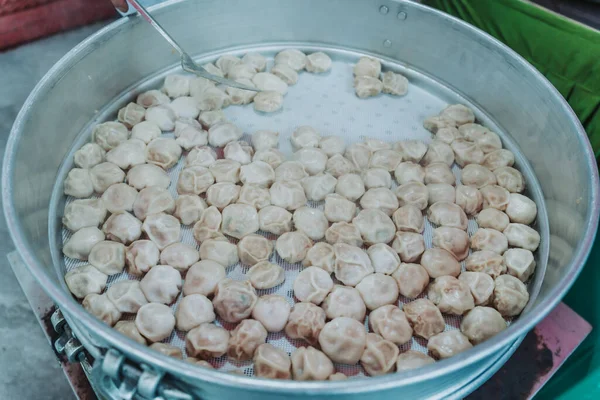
x: 485, y: 72
x: 187, y: 63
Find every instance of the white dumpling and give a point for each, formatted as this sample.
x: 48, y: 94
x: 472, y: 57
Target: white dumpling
x: 385, y: 159
x: 152, y: 98
x: 438, y: 151
x: 343, y: 340
x: 84, y: 280
x: 195, y: 180
x: 424, y: 317
x: 492, y: 218
x: 498, y: 159
x: 395, y: 84
x: 451, y: 295
x: 519, y: 263
x: 239, y: 151
x: 409, y: 218
x: 447, y: 344
x: 109, y: 135
x: 521, y: 209
x: 164, y: 152
x: 290, y: 171
x: 211, y: 99
x: 351, y: 186
x: 257, y: 173
x: 447, y: 214
x: 102, y: 308
x: 145, y: 131
x: 343, y: 232
x: 437, y: 172
x: 310, y: 364
x: 289, y: 195
x: 264, y: 139
x: 414, y: 193
x: 367, y: 66
x: 163, y: 229
x: 272, y: 311
x: 318, y: 186
x: 318, y: 62
x: 409, y: 245
x: 293, y: 246
x: 239, y: 220
x: 379, y: 356
x: 305, y: 322
x: 366, y: 86
x: 272, y: 362
x: 108, y: 257
x: 128, y: 154
x: 320, y: 255
x: 482, y: 323
x: 180, y: 256
x: 140, y: 256
x: 376, y: 178
x: 439, y: 262
x: 510, y: 179
x: 332, y: 145
x: 167, y: 350
x: 208, y: 225
x: 390, y: 323
x: 253, y: 249
x: 127, y: 296
x: 352, y: 264
x: 82, y: 242
x: 104, y: 175
x: 293, y: 58
x: 203, y: 156
x: 477, y: 176
x: 486, y: 261
x: 523, y: 236
x: 234, y: 300
x: 161, y: 284
x: 412, y: 279
x: 489, y: 239
x: 275, y: 220
x: 466, y: 152
x: 453, y: 240
x: 266, y: 275
x: 146, y: 175
x: 411, y: 150
x: 459, y: 114
x: 469, y: 199
x: 412, y: 359
x: 378, y: 290
x: 480, y: 284
x: 255, y: 196
x: 338, y: 165
x: 339, y: 209
x: 359, y: 154
x: 314, y: 160
x: 223, y: 171
x: 119, y: 197
x: 495, y: 196
x: 312, y: 285
x: 266, y: 81
x: 84, y: 213
x: 409, y: 171
x: 441, y: 192
x: 189, y: 133
x: 311, y: 221
x: 78, y: 183
x: 285, y: 73
x: 222, y: 133
x: 245, y: 339
x: 189, y: 208
x: 382, y: 199
x: 374, y: 226
x: 435, y: 123
x: 222, y: 194
x: 268, y: 101
x: 344, y: 301
x: 447, y: 134
x: 152, y: 200
x: 221, y: 251
x: 89, y: 155
x: 203, y: 277
x: 383, y: 258
x: 207, y: 341
x: 510, y: 295
x: 192, y: 311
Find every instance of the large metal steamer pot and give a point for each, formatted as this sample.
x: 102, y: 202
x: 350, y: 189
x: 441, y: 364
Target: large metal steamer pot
x: 455, y: 54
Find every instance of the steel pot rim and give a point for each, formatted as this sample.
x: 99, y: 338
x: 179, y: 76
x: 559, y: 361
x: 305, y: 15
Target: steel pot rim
x: 190, y: 372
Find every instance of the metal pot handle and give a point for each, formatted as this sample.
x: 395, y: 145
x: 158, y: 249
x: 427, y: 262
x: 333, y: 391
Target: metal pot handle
x: 112, y: 375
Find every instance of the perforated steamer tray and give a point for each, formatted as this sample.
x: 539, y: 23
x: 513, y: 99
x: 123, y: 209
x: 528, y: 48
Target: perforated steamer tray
x: 326, y: 102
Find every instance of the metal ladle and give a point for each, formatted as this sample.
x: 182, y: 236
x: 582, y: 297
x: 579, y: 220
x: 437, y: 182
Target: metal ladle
x: 187, y: 63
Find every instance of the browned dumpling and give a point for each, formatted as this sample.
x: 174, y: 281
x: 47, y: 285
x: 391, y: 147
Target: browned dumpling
x: 384, y: 259
x: 192, y: 311
x: 492, y: 218
x: 203, y: 277
x: 155, y: 321
x: 344, y: 301
x: 352, y: 264
x: 469, y: 199
x: 305, y: 322
x: 409, y: 218
x: 374, y: 226
x: 466, y: 152
x: 320, y: 255
x: 343, y: 232
x: 343, y: 340
x: 409, y: 245
x: 293, y: 246
x: 447, y: 214
x: 179, y: 256
x: 439, y: 262
x: 453, y: 240
x: 378, y: 290
x: 441, y: 192
x: 510, y: 179
x: 140, y: 256
x: 391, y: 323
x: 127, y: 296
x: 481, y: 286
x: 477, y: 176
x: 312, y: 285
x: 448, y: 344
x: 414, y: 193
x: 161, y: 284
x: 412, y: 279
x: 412, y: 359
x: 272, y: 311
x: 439, y: 172
x: 495, y: 196
x: 245, y: 339
x: 489, y: 239
x: 519, y: 263
x: 253, y: 249
x: 379, y: 356
x: 167, y: 349
x: 271, y: 362
x: 481, y: 323
x: 424, y: 317
x: 310, y: 364
x: 129, y: 329
x: 510, y: 295
x: 486, y: 261
x: 100, y: 306
x: 523, y: 236
x: 451, y: 295
x: 234, y: 300
x: 207, y: 341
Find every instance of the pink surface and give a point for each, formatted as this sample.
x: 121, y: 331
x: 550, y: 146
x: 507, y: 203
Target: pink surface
x: 562, y: 331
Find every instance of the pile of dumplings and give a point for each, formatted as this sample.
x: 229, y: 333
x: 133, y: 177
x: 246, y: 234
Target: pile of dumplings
x: 351, y: 215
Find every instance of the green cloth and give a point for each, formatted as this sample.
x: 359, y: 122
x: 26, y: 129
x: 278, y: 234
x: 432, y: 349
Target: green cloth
x: 566, y: 52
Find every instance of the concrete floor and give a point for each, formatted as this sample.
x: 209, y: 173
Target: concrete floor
x: 28, y: 367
